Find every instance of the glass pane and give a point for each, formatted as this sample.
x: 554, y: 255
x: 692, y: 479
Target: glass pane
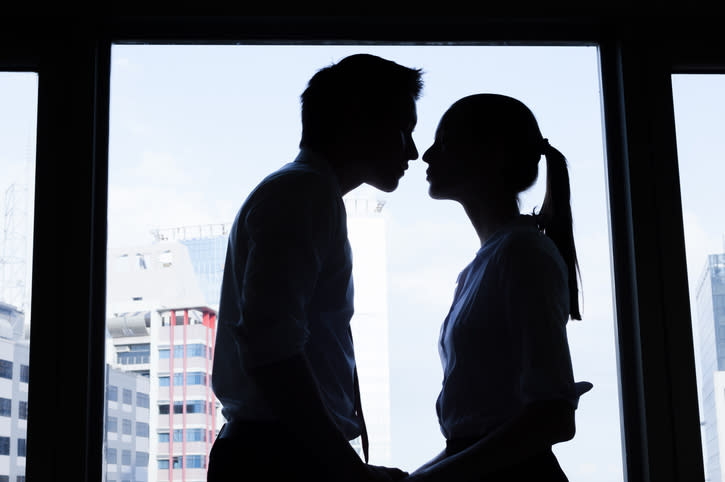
x: 699, y: 102
x: 195, y: 128
x: 18, y: 116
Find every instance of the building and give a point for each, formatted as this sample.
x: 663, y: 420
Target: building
x: 710, y: 305
x: 127, y: 434
x: 161, y: 328
x: 207, y: 246
x: 366, y: 226
x: 14, y: 371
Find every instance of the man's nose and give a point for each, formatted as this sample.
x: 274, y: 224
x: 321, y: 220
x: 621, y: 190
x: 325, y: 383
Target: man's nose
x: 412, y: 151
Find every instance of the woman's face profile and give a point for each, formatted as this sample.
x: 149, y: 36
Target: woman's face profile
x: 458, y: 166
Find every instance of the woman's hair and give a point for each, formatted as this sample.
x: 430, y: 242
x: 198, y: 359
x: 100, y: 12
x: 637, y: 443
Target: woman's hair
x: 508, y: 123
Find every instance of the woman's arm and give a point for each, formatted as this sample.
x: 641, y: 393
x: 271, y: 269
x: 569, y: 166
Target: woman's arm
x: 538, y: 427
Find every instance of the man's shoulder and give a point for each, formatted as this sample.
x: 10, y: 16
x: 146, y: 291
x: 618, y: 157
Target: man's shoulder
x: 299, y: 177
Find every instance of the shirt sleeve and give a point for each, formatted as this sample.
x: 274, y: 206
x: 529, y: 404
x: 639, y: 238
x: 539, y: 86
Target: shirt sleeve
x: 537, y: 298
x: 289, y: 232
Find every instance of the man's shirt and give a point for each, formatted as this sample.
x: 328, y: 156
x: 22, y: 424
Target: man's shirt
x: 287, y: 289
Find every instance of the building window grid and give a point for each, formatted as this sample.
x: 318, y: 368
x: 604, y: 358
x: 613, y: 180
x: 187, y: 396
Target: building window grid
x: 142, y: 429
x: 21, y: 447
x: 6, y: 407
x: 126, y: 457
x: 112, y: 393
x: 4, y: 445
x: 24, y: 373
x: 6, y: 369
x: 111, y: 455
x: 112, y: 424
x: 126, y: 426
x: 127, y: 396
x: 142, y: 400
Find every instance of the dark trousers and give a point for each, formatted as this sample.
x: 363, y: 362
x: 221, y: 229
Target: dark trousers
x: 542, y: 467
x: 264, y: 452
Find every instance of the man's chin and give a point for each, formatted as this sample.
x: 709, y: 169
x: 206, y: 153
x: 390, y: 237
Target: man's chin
x: 388, y: 185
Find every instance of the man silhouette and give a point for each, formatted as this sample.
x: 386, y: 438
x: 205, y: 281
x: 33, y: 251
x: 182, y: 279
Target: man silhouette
x: 284, y: 366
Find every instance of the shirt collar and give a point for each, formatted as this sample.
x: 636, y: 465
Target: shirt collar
x: 318, y: 163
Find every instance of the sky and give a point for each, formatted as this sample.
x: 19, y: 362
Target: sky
x: 194, y: 128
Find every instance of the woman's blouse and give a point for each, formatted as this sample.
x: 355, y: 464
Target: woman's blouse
x: 504, y: 344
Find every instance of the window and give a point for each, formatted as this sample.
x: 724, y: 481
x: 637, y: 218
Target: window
x: 163, y: 464
x: 133, y: 354
x: 195, y: 435
x: 21, y: 447
x: 163, y: 437
x: 126, y: 426
x: 6, y: 369
x: 423, y: 286
x: 4, y: 445
x: 6, y: 407
x: 4, y: 478
x: 142, y: 400
x: 196, y: 378
x: 698, y: 102
x: 112, y: 394
x: 22, y: 410
x: 142, y: 429
x: 178, y: 463
x: 125, y: 457
x: 127, y: 396
x: 164, y: 408
x: 24, y: 373
x: 195, y: 462
x: 112, y: 424
x: 20, y: 478
x: 142, y: 459
x: 196, y: 406
x: 196, y: 350
x: 110, y: 455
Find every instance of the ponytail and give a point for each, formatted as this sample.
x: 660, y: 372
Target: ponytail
x: 555, y: 219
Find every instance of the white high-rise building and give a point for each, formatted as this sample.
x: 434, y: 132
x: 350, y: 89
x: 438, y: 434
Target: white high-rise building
x: 366, y: 227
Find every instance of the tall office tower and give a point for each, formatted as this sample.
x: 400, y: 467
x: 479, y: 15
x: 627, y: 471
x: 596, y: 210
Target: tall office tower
x: 161, y: 327
x: 14, y: 356
x: 367, y: 234
x: 126, y: 438
x: 207, y: 245
x: 710, y: 302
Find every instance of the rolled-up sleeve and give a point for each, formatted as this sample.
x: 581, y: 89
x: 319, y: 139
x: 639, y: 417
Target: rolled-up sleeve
x: 538, y: 311
x: 288, y: 234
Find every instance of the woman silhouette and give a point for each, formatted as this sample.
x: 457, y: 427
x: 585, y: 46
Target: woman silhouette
x: 508, y: 390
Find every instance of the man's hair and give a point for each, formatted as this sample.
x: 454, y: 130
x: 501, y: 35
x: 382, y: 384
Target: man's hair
x: 361, y: 85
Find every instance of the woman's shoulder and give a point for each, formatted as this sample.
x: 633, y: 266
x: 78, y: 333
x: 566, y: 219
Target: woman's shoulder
x: 524, y: 243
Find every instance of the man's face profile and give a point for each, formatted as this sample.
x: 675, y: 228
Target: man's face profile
x: 388, y: 145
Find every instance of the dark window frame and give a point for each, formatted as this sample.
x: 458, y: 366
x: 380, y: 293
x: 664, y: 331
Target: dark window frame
x: 638, y: 55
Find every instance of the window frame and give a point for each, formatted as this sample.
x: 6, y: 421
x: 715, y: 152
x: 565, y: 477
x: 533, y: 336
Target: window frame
x: 658, y: 397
